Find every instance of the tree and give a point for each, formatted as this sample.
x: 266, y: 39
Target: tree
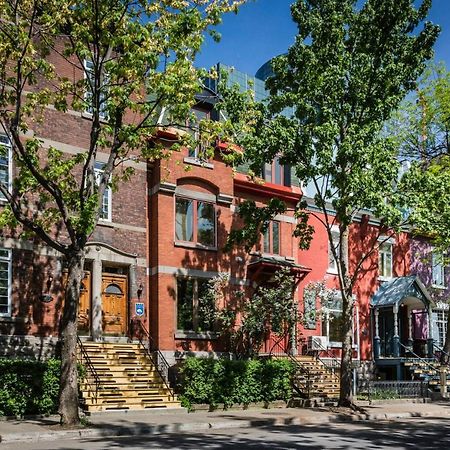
x: 422, y: 128
x: 330, y: 95
x: 132, y: 59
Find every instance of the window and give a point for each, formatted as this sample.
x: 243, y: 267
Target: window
x: 195, y: 221
x: 332, y: 320
x: 277, y: 173
x: 271, y: 238
x: 5, y: 282
x: 195, y: 305
x: 5, y: 163
x: 438, y: 269
x: 89, y: 76
x: 106, y: 207
x: 332, y: 263
x: 194, y: 129
x: 385, y: 260
x: 309, y: 305
x: 440, y: 326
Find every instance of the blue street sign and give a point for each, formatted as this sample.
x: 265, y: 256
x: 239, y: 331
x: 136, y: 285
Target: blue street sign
x: 139, y: 309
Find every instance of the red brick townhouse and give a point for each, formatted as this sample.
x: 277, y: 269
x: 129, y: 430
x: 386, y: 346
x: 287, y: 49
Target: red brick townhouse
x: 31, y: 274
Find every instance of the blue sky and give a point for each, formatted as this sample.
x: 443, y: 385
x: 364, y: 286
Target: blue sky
x: 263, y: 29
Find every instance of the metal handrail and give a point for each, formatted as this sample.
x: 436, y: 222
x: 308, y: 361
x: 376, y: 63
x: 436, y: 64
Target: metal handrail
x: 161, y: 364
x: 336, y: 363
x: 86, y: 361
x: 303, y: 370
x: 422, y: 360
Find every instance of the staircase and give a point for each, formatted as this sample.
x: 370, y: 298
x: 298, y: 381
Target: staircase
x: 313, y: 379
x: 428, y: 370
x: 121, y: 376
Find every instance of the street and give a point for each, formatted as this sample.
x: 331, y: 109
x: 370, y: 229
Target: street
x: 401, y: 434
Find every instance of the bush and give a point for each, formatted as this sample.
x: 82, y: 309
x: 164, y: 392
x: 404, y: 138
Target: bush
x: 28, y: 387
x: 214, y: 381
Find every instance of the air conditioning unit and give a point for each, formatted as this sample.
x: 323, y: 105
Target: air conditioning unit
x: 317, y: 343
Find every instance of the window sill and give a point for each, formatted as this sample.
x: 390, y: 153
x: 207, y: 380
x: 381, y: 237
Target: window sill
x: 336, y: 344
x: 8, y: 319
x: 198, y: 162
x: 105, y: 223
x: 439, y: 286
x: 86, y: 115
x: 194, y: 246
x: 332, y: 271
x: 207, y: 335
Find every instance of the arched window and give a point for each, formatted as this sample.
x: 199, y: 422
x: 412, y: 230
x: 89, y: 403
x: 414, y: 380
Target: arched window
x: 113, y: 289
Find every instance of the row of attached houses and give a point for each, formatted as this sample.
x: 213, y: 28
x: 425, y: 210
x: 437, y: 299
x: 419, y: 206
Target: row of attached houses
x: 161, y: 238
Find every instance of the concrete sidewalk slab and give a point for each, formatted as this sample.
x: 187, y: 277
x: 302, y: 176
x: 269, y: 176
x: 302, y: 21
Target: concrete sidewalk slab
x: 142, y: 423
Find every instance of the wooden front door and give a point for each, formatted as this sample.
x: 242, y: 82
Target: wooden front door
x: 114, y: 303
x: 84, y: 313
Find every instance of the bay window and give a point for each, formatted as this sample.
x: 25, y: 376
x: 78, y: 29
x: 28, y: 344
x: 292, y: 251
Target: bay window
x: 271, y: 238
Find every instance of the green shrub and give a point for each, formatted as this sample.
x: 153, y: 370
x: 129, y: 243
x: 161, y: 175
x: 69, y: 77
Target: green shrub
x: 214, y: 381
x: 28, y: 387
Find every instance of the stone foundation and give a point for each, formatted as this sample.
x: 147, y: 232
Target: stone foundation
x: 32, y: 347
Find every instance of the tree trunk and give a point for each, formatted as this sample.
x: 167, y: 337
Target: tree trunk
x: 68, y: 395
x: 346, y: 391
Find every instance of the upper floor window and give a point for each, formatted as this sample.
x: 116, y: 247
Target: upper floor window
x: 195, y: 305
x: 5, y: 163
x: 385, y: 260
x: 197, y: 115
x: 106, y: 207
x: 437, y: 263
x: 90, y: 77
x: 195, y: 221
x: 335, y: 244
x: 277, y: 173
x: 271, y: 238
x: 5, y: 282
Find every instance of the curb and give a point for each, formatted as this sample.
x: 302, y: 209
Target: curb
x: 147, y: 430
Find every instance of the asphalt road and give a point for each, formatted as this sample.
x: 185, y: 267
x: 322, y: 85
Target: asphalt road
x: 407, y: 434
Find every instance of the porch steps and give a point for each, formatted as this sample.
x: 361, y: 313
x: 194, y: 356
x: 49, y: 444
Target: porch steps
x: 429, y: 371
x: 127, y: 378
x: 314, y: 380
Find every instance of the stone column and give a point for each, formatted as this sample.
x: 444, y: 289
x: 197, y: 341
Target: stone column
x: 97, y: 325
x: 430, y: 340
x: 396, y: 339
x: 410, y: 329
x: 376, y: 339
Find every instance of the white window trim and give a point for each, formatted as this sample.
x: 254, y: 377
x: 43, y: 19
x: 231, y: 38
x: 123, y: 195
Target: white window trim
x: 8, y: 259
x: 435, y: 327
x: 103, y: 116
x: 383, y: 241
x: 332, y: 270
x: 108, y: 192
x: 10, y: 173
x: 442, y: 270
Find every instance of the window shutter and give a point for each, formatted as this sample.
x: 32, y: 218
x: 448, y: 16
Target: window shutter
x: 287, y: 175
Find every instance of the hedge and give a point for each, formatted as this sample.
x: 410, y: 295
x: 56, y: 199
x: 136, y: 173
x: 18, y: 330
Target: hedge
x: 28, y: 387
x: 214, y: 381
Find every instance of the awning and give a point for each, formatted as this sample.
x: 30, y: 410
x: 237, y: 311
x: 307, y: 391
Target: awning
x: 398, y: 290
x: 267, y: 265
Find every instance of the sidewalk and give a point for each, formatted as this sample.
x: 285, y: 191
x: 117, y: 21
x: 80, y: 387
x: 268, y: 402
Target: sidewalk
x: 150, y: 422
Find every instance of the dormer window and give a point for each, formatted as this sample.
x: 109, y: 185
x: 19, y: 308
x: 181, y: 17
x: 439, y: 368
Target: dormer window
x: 277, y: 173
x: 197, y: 115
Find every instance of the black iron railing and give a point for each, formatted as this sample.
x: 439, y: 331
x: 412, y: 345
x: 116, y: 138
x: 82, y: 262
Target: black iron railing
x: 417, y: 357
x: 302, y: 380
x: 85, y: 360
x: 383, y: 390
x: 332, y: 363
x: 141, y: 333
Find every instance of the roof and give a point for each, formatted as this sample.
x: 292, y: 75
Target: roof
x: 395, y: 291
x: 272, y: 262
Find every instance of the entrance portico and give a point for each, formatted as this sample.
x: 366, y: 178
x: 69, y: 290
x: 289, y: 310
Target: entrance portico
x: 402, y: 313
